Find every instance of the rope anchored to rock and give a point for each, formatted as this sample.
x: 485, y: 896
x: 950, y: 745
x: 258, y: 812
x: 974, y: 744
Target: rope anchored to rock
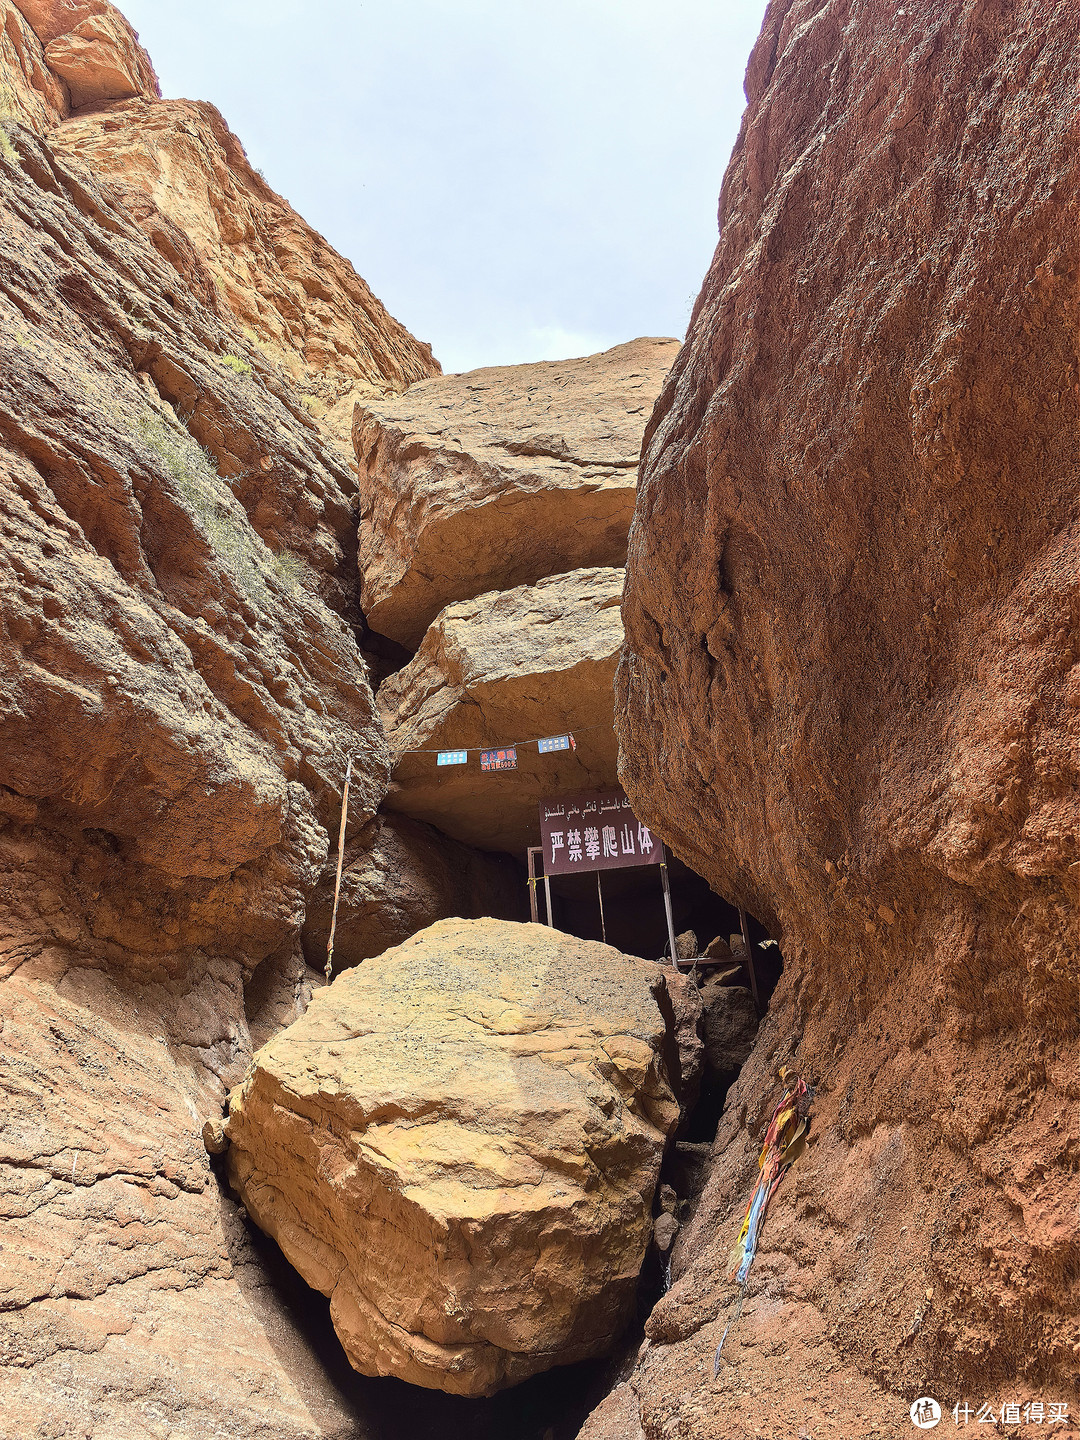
x: 340, y: 862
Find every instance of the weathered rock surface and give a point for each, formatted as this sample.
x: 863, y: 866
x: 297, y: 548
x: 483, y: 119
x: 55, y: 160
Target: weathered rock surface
x: 459, y: 1144
x: 57, y: 56
x: 848, y: 698
x: 184, y: 176
x: 180, y: 685
x: 515, y: 664
x: 91, y: 50
x: 399, y: 877
x: 498, y: 477
x: 177, y: 693
x: 686, y: 1061
x: 129, y: 1306
x: 30, y: 94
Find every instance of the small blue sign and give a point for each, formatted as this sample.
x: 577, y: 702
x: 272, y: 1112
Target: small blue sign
x: 453, y: 757
x: 554, y: 742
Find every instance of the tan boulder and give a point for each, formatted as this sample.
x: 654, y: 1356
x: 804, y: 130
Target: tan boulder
x: 52, y: 18
x: 399, y: 877
x: 511, y: 665
x: 459, y: 1145
x: 498, y: 477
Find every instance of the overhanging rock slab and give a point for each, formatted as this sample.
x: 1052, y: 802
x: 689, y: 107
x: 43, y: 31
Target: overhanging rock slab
x: 512, y: 665
x: 497, y: 477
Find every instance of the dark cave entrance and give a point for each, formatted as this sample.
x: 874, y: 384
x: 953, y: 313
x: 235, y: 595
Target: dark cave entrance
x: 635, y: 923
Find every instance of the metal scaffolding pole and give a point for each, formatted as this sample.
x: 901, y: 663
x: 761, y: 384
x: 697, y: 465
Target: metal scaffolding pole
x: 667, y: 906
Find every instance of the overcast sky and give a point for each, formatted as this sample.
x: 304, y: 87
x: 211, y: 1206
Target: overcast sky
x: 516, y: 181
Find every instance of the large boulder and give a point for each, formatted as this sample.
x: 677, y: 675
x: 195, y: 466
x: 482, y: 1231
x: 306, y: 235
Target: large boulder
x: 495, y: 478
x: 849, y: 699
x: 512, y: 665
x: 400, y: 876
x: 459, y: 1144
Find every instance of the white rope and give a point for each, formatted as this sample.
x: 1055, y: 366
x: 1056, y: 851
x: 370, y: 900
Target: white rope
x: 340, y: 862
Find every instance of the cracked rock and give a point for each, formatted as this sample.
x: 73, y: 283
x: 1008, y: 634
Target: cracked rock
x: 459, y: 1144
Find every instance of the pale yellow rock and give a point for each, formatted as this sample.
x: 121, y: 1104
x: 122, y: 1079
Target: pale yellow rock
x: 498, y: 477
x: 459, y: 1144
x: 510, y: 665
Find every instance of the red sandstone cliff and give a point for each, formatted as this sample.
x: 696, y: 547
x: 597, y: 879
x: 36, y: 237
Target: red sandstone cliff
x: 849, y: 697
x: 181, y: 682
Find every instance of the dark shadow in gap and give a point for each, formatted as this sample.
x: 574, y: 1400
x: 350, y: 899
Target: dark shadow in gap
x: 349, y: 1406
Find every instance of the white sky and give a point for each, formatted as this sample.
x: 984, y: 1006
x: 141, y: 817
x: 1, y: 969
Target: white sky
x: 515, y: 181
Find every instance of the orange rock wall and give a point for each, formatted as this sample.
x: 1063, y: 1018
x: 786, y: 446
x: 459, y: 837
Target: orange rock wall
x: 179, y: 168
x: 91, y: 53
x: 849, y: 693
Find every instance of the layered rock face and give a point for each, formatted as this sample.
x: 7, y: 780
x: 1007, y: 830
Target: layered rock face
x: 181, y: 684
x: 488, y: 479
x: 178, y: 693
x: 184, y: 177
x: 459, y: 1144
x: 92, y: 51
x: 499, y: 477
x: 130, y: 1306
x: 849, y: 693
x: 535, y: 660
x: 69, y: 55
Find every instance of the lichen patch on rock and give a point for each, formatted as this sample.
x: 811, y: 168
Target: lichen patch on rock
x: 459, y: 1143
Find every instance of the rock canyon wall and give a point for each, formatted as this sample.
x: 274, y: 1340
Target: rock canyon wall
x: 183, y: 681
x: 236, y: 494
x: 849, y: 697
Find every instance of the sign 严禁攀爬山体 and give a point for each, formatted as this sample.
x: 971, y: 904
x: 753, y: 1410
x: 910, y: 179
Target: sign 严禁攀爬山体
x: 596, y: 831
